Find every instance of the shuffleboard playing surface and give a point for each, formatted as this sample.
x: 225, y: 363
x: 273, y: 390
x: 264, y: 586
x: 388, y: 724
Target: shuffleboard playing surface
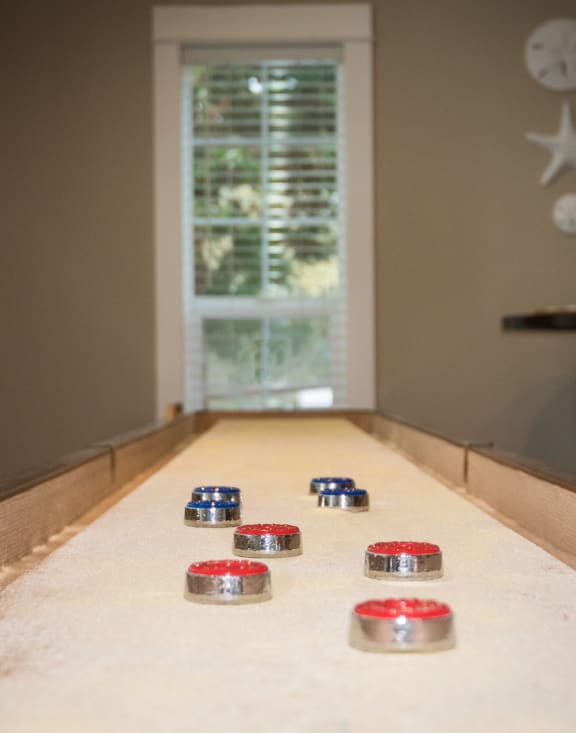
x: 99, y: 637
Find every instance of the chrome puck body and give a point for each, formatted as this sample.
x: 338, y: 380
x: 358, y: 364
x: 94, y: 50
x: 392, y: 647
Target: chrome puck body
x: 217, y: 493
x: 403, y: 561
x: 206, y: 513
x: 272, y: 540
x: 401, y: 625
x: 228, y: 582
x: 331, y: 482
x: 351, y: 500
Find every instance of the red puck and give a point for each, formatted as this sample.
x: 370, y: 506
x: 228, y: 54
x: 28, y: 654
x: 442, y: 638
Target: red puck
x: 401, y: 624
x: 399, y: 548
x: 261, y: 529
x: 409, y: 607
x: 272, y: 540
x: 403, y: 561
x: 228, y: 567
x: 228, y: 581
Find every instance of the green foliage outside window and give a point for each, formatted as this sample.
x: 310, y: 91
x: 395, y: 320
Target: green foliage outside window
x: 265, y: 222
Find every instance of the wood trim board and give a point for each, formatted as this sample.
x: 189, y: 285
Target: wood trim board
x: 40, y: 504
x: 443, y: 457
x: 206, y: 419
x: 29, y: 518
x: 543, y: 508
x: 523, y: 494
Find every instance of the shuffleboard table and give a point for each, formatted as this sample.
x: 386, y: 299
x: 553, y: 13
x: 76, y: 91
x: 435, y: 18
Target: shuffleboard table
x: 99, y: 636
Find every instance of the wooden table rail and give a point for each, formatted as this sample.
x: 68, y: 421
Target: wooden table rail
x: 39, y: 503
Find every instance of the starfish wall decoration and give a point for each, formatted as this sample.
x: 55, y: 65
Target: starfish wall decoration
x: 561, y: 146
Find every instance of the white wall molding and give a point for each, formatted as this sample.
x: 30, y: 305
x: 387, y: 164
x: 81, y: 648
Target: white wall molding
x: 351, y: 27
x: 262, y: 23
x: 168, y: 228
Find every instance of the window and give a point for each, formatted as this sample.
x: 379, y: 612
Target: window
x: 262, y: 229
x: 262, y: 302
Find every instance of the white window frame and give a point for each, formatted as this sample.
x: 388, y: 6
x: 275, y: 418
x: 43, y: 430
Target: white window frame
x: 351, y: 27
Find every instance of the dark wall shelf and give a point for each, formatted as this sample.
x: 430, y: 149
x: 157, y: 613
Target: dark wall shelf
x: 545, y: 321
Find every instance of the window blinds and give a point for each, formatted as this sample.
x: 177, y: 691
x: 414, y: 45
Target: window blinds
x: 263, y: 230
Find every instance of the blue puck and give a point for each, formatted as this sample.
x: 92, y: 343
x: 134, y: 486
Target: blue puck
x: 207, y: 513
x: 217, y: 493
x: 209, y: 503
x: 352, y: 500
x: 331, y: 482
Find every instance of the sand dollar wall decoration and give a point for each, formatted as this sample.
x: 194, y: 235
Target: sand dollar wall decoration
x: 564, y: 213
x: 550, y: 54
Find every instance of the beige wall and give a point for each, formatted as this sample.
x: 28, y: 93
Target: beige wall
x: 75, y: 230
x: 463, y: 230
